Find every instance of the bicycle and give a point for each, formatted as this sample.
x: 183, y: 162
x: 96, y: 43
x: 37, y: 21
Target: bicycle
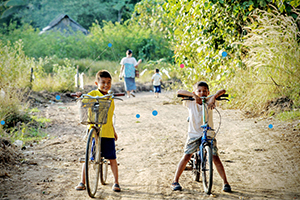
x: 93, y: 110
x: 202, y: 160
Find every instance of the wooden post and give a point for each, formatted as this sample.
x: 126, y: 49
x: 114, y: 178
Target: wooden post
x: 31, y: 77
x: 81, y: 80
x: 77, y: 75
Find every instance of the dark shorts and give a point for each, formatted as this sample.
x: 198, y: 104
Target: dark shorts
x: 157, y: 89
x: 108, y: 148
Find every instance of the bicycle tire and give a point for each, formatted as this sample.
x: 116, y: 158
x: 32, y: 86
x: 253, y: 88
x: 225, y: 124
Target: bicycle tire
x: 92, y: 162
x: 103, y: 171
x: 196, y: 166
x: 207, y: 169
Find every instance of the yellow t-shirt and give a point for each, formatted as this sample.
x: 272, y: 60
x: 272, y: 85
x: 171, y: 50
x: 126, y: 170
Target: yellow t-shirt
x: 107, y: 129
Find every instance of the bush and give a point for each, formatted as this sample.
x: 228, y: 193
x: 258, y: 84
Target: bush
x: 14, y: 82
x: 272, y: 61
x: 145, y: 43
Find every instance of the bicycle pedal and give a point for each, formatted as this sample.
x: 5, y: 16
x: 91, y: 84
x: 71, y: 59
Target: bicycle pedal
x: 109, y: 163
x: 82, y: 160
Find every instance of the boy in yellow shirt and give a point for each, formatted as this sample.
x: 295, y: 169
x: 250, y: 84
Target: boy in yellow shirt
x: 109, y: 135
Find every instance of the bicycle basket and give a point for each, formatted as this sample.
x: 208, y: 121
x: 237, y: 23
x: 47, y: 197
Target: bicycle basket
x: 93, y: 111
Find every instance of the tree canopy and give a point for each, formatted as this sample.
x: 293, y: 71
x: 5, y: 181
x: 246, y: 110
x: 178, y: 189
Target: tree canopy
x: 39, y: 13
x: 205, y: 33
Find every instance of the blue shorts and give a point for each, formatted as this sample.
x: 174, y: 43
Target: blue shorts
x: 108, y: 148
x: 157, y: 89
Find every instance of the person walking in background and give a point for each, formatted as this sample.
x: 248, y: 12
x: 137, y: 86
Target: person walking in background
x: 156, y: 80
x: 128, y: 66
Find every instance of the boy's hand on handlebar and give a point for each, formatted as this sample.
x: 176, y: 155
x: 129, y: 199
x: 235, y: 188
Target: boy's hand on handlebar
x: 78, y: 94
x: 211, y: 103
x: 197, y: 99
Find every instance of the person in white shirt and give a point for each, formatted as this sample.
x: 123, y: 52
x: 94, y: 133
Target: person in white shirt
x: 156, y: 80
x: 200, y: 89
x: 128, y: 66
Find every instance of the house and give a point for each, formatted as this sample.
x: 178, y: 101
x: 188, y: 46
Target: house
x: 66, y: 25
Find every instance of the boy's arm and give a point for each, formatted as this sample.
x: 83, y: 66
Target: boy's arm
x: 116, y: 136
x: 190, y: 94
x: 212, y: 99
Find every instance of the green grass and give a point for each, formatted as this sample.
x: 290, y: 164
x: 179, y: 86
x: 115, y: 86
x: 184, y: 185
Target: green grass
x: 289, y: 116
x: 41, y: 120
x: 34, y: 110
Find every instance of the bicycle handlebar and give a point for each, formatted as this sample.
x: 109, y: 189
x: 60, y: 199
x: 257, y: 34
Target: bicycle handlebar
x: 192, y: 99
x: 98, y: 97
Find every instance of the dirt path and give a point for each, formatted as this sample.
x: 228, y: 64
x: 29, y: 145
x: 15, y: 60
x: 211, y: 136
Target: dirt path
x: 260, y: 163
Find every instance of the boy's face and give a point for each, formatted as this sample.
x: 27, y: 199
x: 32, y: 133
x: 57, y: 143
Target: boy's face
x: 104, y: 84
x: 202, y: 91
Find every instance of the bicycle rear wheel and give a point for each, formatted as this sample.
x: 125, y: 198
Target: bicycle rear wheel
x: 103, y: 171
x: 207, y: 169
x: 92, y: 162
x: 196, y: 166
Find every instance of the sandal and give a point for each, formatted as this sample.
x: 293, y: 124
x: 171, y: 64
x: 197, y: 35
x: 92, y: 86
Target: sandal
x: 227, y: 188
x: 176, y: 186
x: 80, y: 186
x: 116, y: 188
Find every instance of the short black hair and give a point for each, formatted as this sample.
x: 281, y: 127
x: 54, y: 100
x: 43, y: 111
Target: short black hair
x: 200, y: 83
x: 156, y: 70
x: 102, y: 74
x: 129, y: 51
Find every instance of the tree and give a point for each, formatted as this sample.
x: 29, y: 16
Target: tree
x: 39, y: 13
x: 201, y: 30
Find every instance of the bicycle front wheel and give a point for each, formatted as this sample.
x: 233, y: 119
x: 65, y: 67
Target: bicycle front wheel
x: 103, y: 171
x: 207, y: 169
x: 92, y: 162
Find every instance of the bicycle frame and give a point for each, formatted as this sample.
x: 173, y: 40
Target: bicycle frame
x: 204, y: 155
x: 206, y: 127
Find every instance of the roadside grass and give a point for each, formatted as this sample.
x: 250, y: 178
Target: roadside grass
x: 272, y: 65
x: 25, y: 127
x: 289, y: 116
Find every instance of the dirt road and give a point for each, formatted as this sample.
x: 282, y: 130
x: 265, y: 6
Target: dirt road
x: 260, y: 163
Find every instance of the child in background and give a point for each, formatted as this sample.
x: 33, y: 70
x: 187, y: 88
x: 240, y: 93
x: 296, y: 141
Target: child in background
x: 156, y: 79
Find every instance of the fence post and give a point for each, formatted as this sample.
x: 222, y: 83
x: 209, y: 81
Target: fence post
x: 81, y: 80
x: 77, y: 77
x: 31, y: 77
